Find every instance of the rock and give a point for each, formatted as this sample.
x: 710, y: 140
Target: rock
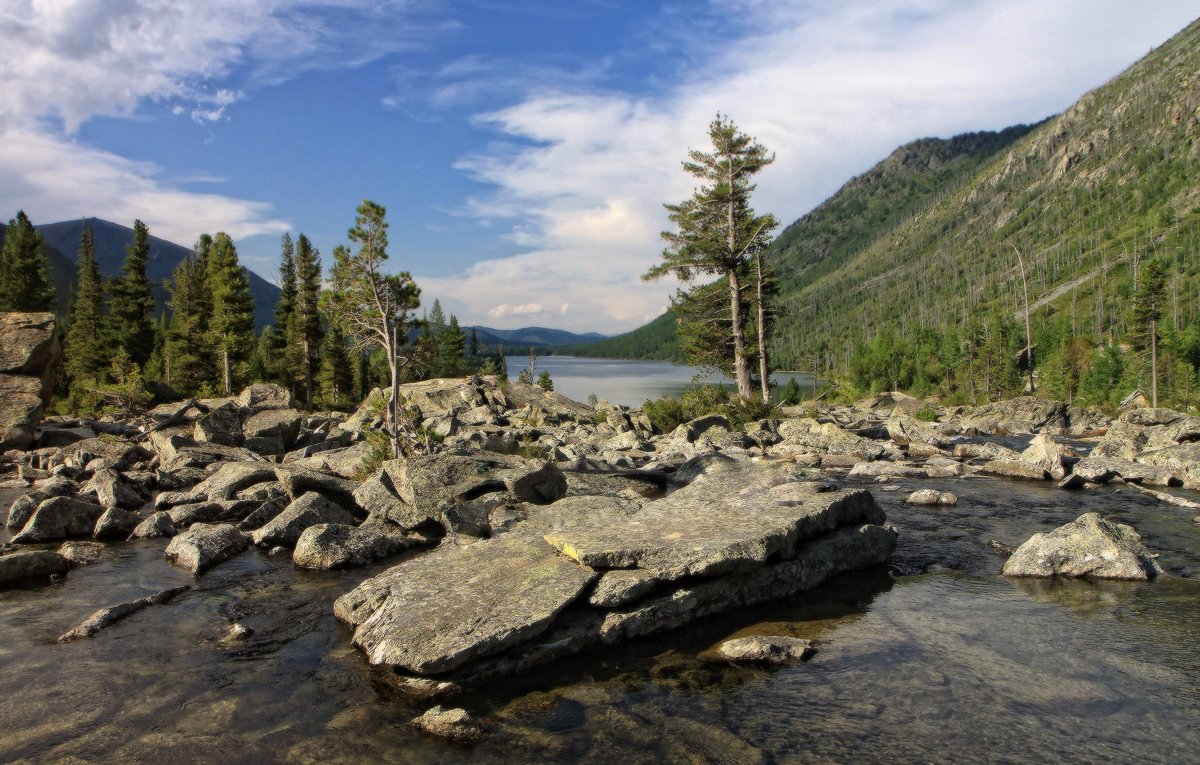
x: 222, y: 425
x: 157, y: 525
x: 29, y: 354
x: 988, y: 450
x: 773, y: 650
x: 112, y: 490
x: 888, y: 469
x: 931, y: 497
x: 228, y: 510
x: 23, y: 506
x: 30, y: 564
x: 57, y: 518
x: 300, y: 481
x: 908, y: 430
x: 1182, y: 460
x: 115, y: 523
x: 451, y: 724
x: 621, y: 587
x: 106, y: 617
x: 263, y: 396
x: 508, y: 590
x: 309, y: 510
x: 274, y: 426
x: 333, y: 545
x: 119, y: 455
x: 233, y: 477
x: 204, y: 545
x: 827, y: 438
x: 238, y: 632
x: 1088, y: 546
x: 1054, y: 458
x: 21, y: 408
x: 81, y: 553
x: 1026, y: 414
x: 1007, y: 469
x: 1102, y: 470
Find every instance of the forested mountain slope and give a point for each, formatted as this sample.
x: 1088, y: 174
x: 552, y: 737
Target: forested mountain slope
x: 1085, y: 196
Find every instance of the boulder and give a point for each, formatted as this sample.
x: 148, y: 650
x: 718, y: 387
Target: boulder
x: 23, y: 506
x: 931, y: 497
x: 1098, y: 469
x: 309, y: 510
x: 1054, y: 458
x: 28, y: 344
x: 827, y: 438
x: 222, y: 425
x: 21, y: 409
x: 115, y: 523
x: 112, y: 490
x: 335, y: 545
x: 888, y: 469
x: 118, y: 454
x: 1087, y: 546
x: 1182, y: 460
x: 908, y: 430
x: 263, y: 396
x: 300, y: 481
x: 232, y: 477
x: 773, y: 650
x: 205, y: 545
x: 81, y: 553
x: 157, y: 525
x: 451, y: 724
x: 276, y: 428
x: 30, y: 564
x: 1014, y: 469
x: 58, y: 518
x: 210, y: 512
x: 988, y: 450
x: 1026, y: 414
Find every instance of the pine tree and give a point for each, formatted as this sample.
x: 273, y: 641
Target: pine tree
x: 473, y: 348
x: 232, y: 325
x: 279, y: 358
x: 451, y: 349
x: 1148, y: 304
x: 24, y: 270
x: 132, y: 301
x: 335, y: 378
x: 718, y: 231
x: 544, y: 382
x: 373, y: 308
x: 85, y: 353
x: 188, y: 364
x: 307, y: 318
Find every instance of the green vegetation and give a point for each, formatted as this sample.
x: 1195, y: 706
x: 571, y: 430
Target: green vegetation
x: 718, y: 234
x: 24, y: 270
x: 667, y: 413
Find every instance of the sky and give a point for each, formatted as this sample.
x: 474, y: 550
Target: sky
x: 523, y: 149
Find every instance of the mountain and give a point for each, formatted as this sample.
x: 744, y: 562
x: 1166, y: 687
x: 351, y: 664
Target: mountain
x: 925, y: 239
x: 517, y: 339
x: 1085, y: 196
x: 62, y: 244
x: 655, y: 340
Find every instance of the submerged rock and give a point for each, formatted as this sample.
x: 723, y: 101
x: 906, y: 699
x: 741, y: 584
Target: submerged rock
x: 29, y: 564
x: 452, y: 724
x: 1087, y: 546
x: 774, y: 650
x: 931, y: 497
x: 106, y: 617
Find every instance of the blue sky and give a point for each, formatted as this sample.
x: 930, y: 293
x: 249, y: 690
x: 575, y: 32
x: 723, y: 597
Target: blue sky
x: 523, y: 149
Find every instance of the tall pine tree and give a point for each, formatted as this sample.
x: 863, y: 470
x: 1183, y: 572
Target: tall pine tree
x: 307, y: 317
x: 84, y: 350
x: 278, y: 360
x: 187, y: 357
x: 24, y: 272
x: 232, y: 324
x: 1148, y: 304
x: 132, y: 302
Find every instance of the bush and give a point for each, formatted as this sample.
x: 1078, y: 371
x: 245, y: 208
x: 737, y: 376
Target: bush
x: 668, y: 413
x: 927, y: 414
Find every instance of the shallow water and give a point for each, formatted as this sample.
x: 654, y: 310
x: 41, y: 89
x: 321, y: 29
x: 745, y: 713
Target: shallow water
x: 946, y: 661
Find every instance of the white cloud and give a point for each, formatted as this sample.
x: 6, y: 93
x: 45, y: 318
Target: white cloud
x: 503, y: 310
x: 63, y: 62
x: 830, y: 87
x: 53, y: 178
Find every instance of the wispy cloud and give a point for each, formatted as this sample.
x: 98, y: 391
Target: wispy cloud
x: 63, y: 62
x: 580, y: 174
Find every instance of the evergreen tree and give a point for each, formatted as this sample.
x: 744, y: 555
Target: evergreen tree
x: 544, y: 382
x: 501, y: 364
x: 1148, y: 304
x: 24, y: 270
x: 473, y: 348
x: 188, y: 364
x: 718, y: 231
x: 132, y: 301
x: 155, y: 367
x: 85, y: 353
x: 373, y: 308
x: 307, y: 318
x: 335, y: 378
x: 232, y: 325
x: 451, y: 349
x: 278, y: 359
x: 259, y: 367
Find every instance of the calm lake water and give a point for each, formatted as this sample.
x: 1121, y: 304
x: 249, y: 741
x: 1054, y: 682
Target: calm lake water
x: 937, y: 660
x: 631, y: 383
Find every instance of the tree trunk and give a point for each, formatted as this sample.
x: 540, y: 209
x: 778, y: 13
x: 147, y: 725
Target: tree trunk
x: 764, y: 367
x: 1154, y: 363
x: 227, y: 373
x: 741, y: 365
x: 394, y: 406
x: 308, y: 375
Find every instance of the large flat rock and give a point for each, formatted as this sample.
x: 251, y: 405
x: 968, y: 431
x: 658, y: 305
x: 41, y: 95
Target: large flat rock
x: 735, y: 519
x: 435, y: 612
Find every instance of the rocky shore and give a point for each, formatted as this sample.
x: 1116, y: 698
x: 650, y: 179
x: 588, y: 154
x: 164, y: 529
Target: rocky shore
x: 528, y: 527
